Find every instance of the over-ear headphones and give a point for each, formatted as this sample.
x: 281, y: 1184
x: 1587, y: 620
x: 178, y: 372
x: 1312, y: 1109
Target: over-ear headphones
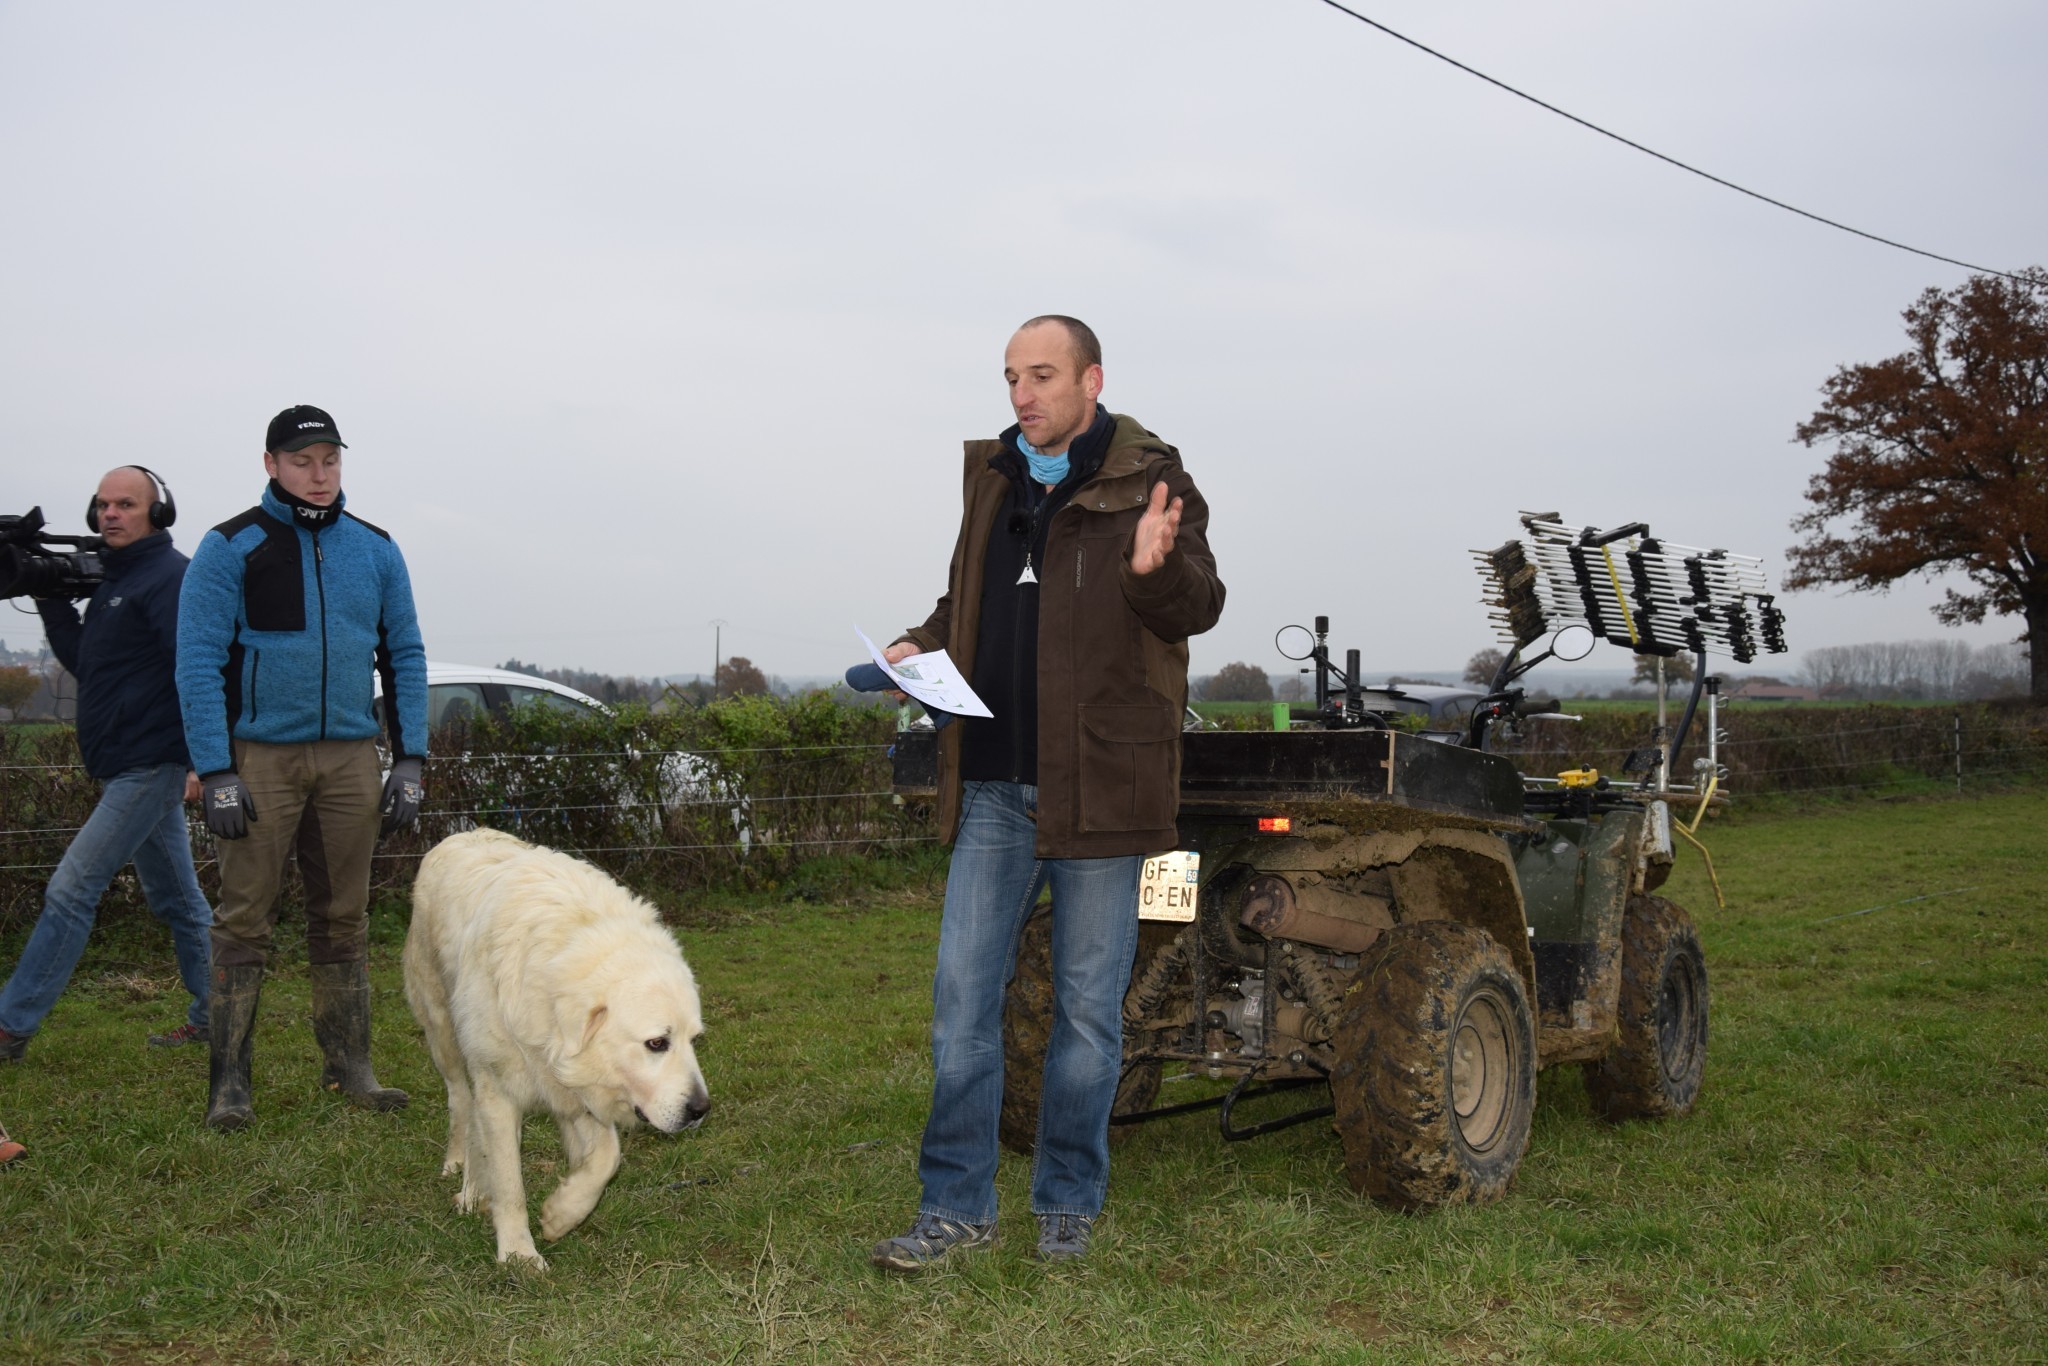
x: 162, y: 512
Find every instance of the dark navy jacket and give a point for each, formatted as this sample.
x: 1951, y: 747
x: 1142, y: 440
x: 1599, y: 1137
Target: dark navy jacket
x: 125, y: 656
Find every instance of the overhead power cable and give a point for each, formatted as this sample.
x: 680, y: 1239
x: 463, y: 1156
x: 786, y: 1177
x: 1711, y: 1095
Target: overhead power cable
x: 1673, y: 161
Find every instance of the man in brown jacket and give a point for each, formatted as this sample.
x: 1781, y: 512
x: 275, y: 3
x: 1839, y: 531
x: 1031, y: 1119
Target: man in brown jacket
x: 1081, y: 569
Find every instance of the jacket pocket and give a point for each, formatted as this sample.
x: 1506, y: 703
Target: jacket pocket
x: 255, y: 659
x: 1127, y: 767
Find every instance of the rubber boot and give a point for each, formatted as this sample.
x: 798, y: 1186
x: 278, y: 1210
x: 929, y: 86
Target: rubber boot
x: 341, y: 1022
x: 231, y: 1029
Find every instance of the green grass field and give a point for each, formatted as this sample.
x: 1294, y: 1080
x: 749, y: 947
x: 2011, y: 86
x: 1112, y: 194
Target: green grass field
x: 1865, y: 1177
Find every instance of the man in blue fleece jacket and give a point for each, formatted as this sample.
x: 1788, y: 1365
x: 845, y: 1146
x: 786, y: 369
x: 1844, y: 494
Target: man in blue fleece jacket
x: 130, y: 737
x: 286, y: 611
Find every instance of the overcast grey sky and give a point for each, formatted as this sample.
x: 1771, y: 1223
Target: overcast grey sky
x: 641, y: 315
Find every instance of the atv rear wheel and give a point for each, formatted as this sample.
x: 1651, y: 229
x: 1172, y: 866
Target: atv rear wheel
x: 1027, y: 1027
x: 1435, y: 1079
x: 1656, y: 1064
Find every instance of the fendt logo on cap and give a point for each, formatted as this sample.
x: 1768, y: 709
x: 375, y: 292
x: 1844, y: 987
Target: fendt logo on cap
x: 304, y: 425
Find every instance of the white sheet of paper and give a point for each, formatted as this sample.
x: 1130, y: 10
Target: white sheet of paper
x: 932, y: 679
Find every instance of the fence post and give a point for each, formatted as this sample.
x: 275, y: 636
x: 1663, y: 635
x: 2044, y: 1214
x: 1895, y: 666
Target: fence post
x: 1959, y: 754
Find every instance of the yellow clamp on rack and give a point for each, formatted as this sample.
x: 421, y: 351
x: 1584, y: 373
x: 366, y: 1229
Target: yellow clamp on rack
x: 1620, y: 598
x: 1578, y: 777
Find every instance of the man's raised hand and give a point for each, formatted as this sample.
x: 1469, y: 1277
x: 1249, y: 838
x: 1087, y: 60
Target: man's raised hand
x: 1156, y: 532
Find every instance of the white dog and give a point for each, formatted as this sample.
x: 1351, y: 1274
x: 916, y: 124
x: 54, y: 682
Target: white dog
x: 543, y: 984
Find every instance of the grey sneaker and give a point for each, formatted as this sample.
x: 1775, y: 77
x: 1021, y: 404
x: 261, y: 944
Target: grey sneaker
x: 1063, y: 1237
x: 929, y: 1239
x: 179, y: 1037
x: 12, y: 1046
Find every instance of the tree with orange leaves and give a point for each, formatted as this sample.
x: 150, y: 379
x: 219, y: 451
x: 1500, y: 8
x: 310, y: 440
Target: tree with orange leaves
x: 1940, y: 461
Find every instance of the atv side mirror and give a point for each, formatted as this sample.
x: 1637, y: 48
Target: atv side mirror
x: 1296, y: 642
x: 1572, y: 642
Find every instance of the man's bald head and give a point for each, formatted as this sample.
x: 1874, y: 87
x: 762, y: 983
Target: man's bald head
x: 1053, y: 381
x: 1080, y: 337
x: 122, y: 506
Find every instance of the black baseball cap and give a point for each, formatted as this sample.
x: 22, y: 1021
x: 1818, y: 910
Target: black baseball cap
x: 300, y: 426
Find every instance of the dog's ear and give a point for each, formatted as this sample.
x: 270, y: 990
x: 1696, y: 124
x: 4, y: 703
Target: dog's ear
x: 592, y: 1025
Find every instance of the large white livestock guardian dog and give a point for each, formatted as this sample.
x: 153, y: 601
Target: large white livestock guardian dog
x: 543, y: 984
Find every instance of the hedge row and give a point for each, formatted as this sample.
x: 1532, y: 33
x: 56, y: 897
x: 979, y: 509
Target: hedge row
x: 735, y: 793
x: 742, y: 791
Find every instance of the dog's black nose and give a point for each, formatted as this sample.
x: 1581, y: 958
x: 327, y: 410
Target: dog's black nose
x: 696, y: 1109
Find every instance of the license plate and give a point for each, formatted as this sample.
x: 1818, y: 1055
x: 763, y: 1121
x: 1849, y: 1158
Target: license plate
x: 1166, y: 887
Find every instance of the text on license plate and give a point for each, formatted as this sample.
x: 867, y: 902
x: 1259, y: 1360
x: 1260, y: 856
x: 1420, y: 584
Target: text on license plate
x: 1166, y: 887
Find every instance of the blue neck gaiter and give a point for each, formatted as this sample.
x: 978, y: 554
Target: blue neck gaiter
x: 1046, y: 469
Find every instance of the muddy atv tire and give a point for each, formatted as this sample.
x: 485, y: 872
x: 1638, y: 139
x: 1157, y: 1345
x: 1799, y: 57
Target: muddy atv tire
x: 1027, y: 1028
x: 1656, y: 1064
x: 1435, y: 1080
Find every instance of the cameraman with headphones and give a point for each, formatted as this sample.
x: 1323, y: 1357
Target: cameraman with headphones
x: 132, y: 738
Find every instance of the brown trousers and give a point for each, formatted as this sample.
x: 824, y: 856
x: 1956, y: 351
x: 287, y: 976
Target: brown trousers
x: 319, y: 800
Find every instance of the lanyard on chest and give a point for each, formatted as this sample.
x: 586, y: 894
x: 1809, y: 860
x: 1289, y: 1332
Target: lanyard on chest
x: 1026, y: 521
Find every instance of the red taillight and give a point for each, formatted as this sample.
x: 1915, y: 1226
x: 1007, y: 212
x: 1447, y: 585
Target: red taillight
x: 1275, y: 825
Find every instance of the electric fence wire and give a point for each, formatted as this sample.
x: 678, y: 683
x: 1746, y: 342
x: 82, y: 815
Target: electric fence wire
x: 1913, y: 781
x: 1920, y: 757
x: 1829, y: 735
x: 552, y: 807
x: 1737, y: 772
x: 793, y: 754
x: 1904, y: 901
x: 758, y: 846
x: 1669, y: 160
x: 1774, y: 739
x: 538, y: 806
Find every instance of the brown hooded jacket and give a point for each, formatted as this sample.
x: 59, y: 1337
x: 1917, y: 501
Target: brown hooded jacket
x: 1112, y: 648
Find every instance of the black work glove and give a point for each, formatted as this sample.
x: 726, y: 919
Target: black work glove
x: 228, y: 808
x: 402, y: 793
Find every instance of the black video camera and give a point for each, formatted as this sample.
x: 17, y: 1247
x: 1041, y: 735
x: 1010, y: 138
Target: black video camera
x: 34, y: 564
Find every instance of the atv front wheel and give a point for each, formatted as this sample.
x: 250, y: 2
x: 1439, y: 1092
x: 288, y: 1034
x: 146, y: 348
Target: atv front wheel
x: 1027, y: 1027
x: 1656, y: 1064
x: 1435, y: 1079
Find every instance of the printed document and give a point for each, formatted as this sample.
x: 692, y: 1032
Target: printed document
x: 932, y: 679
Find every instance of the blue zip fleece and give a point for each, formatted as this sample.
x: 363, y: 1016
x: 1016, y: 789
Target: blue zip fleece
x: 280, y: 627
x: 122, y: 655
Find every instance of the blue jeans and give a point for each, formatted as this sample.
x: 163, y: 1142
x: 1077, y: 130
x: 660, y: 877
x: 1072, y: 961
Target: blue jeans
x: 994, y: 881
x: 140, y: 817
